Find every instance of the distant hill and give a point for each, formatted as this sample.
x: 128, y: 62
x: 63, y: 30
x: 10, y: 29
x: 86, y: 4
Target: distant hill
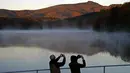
x: 58, y: 11
x: 81, y: 16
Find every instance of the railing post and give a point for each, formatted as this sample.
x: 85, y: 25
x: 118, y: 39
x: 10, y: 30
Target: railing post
x: 36, y: 71
x: 104, y: 70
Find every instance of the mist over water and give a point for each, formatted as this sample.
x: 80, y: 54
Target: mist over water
x: 70, y: 41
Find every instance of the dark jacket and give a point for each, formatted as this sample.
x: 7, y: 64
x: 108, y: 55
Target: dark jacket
x: 75, y: 67
x: 55, y: 65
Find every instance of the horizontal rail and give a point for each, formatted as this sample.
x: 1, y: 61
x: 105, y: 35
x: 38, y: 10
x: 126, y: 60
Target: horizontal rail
x: 108, y: 66
x: 104, y: 66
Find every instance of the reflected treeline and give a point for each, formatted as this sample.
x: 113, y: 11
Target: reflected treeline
x: 84, y: 42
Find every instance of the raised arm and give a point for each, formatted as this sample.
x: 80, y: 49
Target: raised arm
x: 84, y: 63
x: 63, y: 62
x: 58, y: 58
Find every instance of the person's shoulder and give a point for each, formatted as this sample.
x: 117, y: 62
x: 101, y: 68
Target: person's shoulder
x: 50, y: 61
x: 70, y: 64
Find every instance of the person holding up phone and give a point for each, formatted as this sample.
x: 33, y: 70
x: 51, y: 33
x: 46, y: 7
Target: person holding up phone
x: 55, y: 65
x: 74, y: 65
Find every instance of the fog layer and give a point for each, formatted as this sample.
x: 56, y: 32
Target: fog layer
x: 73, y: 41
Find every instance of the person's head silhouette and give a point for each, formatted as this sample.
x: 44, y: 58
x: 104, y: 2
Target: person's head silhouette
x: 73, y: 58
x: 52, y: 57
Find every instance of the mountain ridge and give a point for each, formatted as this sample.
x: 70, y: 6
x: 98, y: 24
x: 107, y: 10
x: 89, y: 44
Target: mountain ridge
x: 116, y: 17
x: 58, y: 11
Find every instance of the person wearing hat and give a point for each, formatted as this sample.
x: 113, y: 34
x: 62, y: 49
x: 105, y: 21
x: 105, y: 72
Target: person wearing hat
x: 55, y: 65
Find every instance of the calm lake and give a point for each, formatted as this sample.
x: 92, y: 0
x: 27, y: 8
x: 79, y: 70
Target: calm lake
x: 30, y: 49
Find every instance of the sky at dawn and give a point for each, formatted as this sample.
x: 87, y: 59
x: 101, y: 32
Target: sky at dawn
x: 38, y: 4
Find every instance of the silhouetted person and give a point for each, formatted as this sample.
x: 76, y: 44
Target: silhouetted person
x: 55, y: 65
x: 74, y: 65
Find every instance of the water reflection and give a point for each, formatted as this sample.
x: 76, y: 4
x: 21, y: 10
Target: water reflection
x: 23, y: 50
x: 24, y: 58
x: 70, y: 41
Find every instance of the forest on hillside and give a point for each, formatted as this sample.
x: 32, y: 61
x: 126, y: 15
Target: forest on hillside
x: 25, y: 23
x: 117, y: 18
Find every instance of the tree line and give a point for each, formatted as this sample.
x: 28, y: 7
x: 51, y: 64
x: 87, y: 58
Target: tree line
x: 116, y: 18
